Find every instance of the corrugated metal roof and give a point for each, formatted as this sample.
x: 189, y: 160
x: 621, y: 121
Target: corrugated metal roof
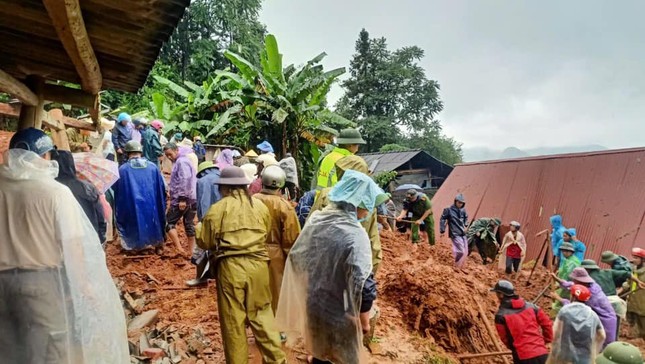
x: 601, y: 194
x: 389, y: 161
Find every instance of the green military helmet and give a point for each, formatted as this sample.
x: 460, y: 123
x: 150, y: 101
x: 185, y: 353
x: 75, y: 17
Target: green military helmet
x: 608, y: 256
x: 589, y: 264
x: 204, y: 166
x: 350, y: 136
x: 567, y: 246
x: 133, y: 146
x: 620, y: 352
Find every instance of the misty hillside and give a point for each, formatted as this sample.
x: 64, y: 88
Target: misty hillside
x: 482, y: 153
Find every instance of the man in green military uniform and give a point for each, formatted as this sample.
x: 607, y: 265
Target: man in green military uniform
x: 348, y: 142
x: 483, y: 233
x: 370, y: 225
x: 419, y: 206
x: 607, y: 279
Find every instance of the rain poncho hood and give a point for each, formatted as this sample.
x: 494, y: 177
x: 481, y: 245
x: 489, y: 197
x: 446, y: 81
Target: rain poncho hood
x: 576, y: 335
x: 358, y: 190
x: 265, y: 147
x: 96, y: 330
x: 556, y: 234
x: 321, y: 290
x: 224, y: 159
x: 289, y: 166
x: 183, y: 178
x: 85, y: 193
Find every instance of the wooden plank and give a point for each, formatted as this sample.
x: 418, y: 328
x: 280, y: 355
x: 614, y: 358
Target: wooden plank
x: 68, y: 21
x: 12, y: 110
x: 491, y: 330
x: 483, y: 355
x: 67, y: 95
x: 414, y: 171
x: 17, y: 89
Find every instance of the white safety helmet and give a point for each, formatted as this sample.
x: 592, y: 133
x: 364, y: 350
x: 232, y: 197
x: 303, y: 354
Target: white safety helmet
x: 273, y: 177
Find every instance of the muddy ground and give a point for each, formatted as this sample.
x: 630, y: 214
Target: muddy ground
x: 429, y: 311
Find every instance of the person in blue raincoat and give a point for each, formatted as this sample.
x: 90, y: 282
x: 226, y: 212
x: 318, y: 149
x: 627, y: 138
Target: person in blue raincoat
x: 557, y: 231
x: 121, y: 135
x: 579, y: 247
x: 140, y: 200
x: 208, y: 194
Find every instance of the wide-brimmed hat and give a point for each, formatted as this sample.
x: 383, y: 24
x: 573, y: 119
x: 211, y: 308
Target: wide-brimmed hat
x: 233, y: 176
x: 580, y: 275
x: 412, y: 192
x: 204, y: 166
x: 350, y: 136
x: 608, y: 256
x: 589, y: 264
x: 567, y: 246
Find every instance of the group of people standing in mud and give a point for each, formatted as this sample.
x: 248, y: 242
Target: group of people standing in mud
x: 589, y: 302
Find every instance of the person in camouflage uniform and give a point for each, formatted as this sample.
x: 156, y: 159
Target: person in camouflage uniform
x: 483, y: 233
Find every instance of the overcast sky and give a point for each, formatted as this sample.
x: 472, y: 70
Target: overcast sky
x: 512, y: 73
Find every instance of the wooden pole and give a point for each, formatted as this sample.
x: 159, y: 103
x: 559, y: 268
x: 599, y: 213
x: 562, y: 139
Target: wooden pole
x: 490, y: 329
x: 29, y: 114
x: 483, y: 355
x: 548, y: 284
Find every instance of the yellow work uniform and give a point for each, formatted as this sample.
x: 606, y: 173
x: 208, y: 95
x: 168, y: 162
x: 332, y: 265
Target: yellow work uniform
x: 370, y: 225
x: 235, y: 230
x: 327, y: 176
x: 282, y: 235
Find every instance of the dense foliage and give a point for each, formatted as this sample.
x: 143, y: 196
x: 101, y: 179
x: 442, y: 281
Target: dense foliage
x: 220, y: 76
x: 392, y: 100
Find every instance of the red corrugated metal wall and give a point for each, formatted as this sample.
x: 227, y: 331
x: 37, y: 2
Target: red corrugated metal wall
x: 601, y: 194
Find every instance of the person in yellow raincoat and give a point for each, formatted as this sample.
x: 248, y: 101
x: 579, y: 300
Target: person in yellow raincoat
x: 348, y: 142
x: 355, y: 163
x: 284, y: 226
x: 235, y: 231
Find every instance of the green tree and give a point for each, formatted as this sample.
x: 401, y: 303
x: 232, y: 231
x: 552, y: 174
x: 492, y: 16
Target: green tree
x: 208, y: 29
x: 393, y: 148
x: 392, y: 100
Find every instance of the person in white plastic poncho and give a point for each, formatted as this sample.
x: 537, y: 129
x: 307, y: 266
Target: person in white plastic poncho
x: 328, y: 289
x: 58, y: 303
x: 578, y: 333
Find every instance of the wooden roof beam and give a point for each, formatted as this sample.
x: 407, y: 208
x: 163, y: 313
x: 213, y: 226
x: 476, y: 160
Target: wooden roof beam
x: 68, y: 22
x: 17, y: 89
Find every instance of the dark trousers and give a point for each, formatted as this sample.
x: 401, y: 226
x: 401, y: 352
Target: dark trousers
x: 188, y: 215
x: 512, y: 264
x: 537, y: 360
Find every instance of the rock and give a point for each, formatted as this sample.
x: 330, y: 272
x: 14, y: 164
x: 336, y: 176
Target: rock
x: 154, y: 353
x: 195, y: 346
x: 200, y: 362
x: 143, y: 320
x: 143, y: 343
x: 207, y: 351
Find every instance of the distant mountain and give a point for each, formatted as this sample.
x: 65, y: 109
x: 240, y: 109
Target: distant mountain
x: 482, y: 153
x: 512, y: 152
